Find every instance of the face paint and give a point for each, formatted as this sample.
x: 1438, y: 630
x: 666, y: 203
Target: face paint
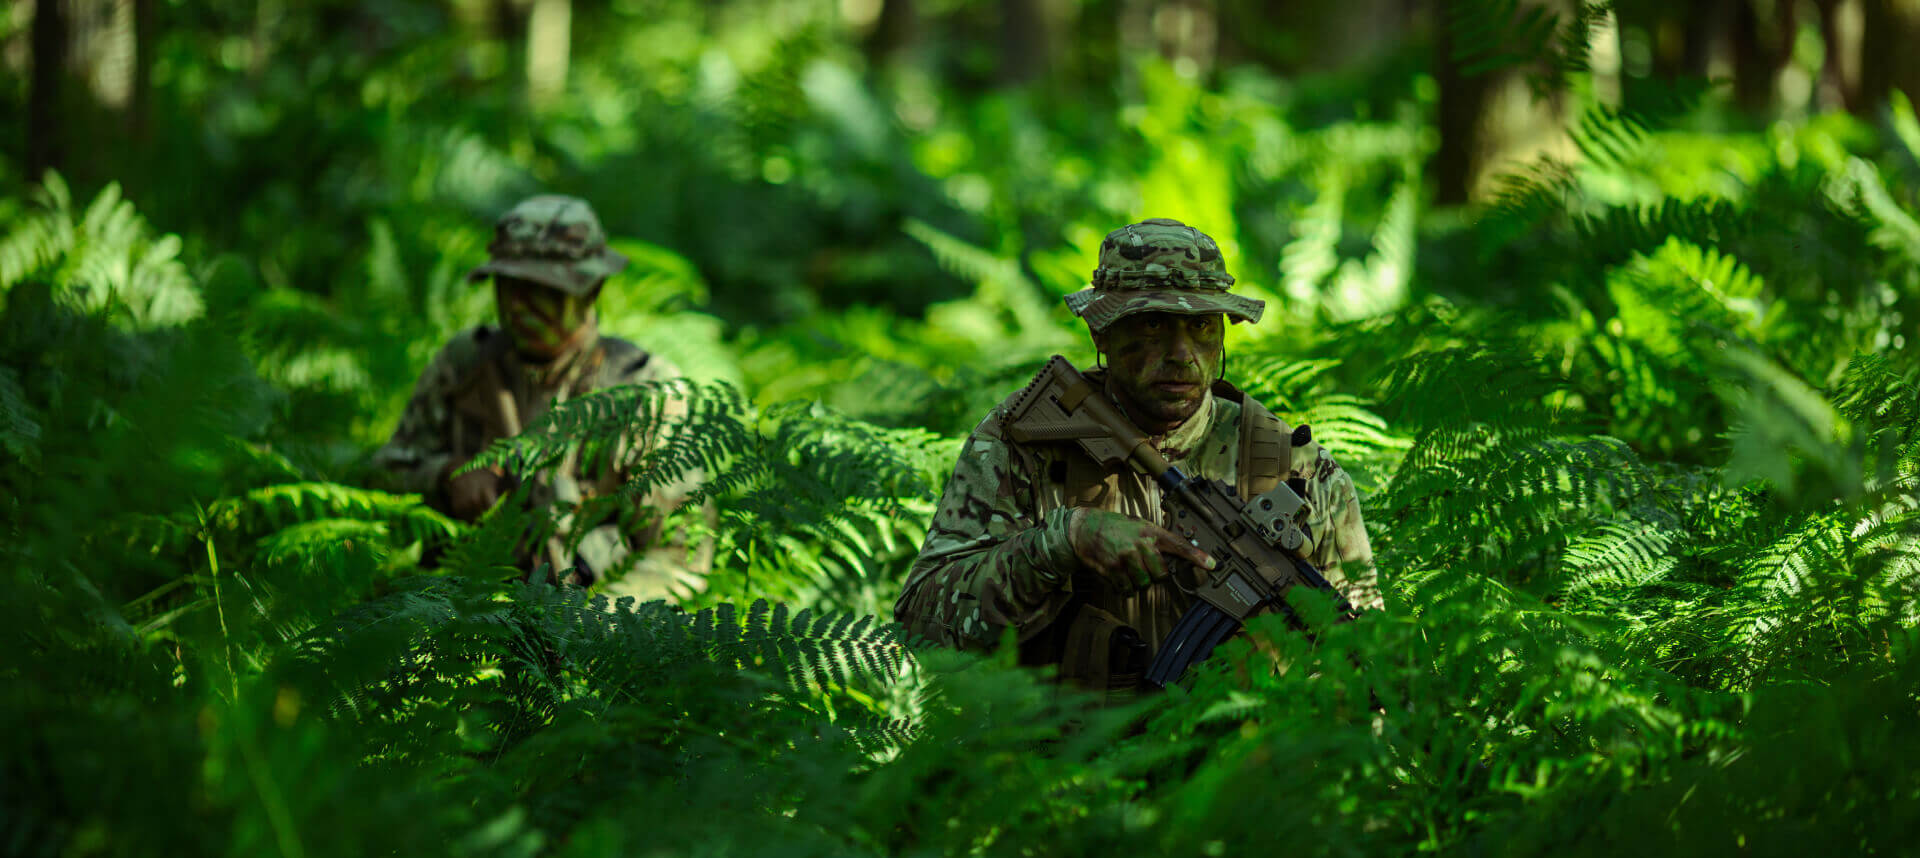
x: 1161, y: 365
x: 543, y: 321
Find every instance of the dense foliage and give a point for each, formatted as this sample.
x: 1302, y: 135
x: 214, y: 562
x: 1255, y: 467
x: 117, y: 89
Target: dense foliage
x: 1636, y: 439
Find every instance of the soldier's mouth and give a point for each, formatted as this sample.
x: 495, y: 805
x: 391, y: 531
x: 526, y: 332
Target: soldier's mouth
x: 1176, y: 387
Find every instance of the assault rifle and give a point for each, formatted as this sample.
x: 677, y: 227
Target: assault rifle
x: 1255, y: 545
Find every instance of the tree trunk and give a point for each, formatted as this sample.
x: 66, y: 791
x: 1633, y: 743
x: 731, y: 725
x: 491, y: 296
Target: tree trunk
x: 1902, y: 67
x: 1879, y: 52
x: 896, y: 28
x: 49, y: 43
x: 140, y: 108
x: 1760, y: 51
x: 1836, y: 83
x: 1491, y: 121
x: 1023, y: 41
x: 1709, y: 32
x: 1463, y: 99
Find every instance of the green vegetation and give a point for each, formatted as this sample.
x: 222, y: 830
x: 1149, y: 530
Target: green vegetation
x: 1637, y: 432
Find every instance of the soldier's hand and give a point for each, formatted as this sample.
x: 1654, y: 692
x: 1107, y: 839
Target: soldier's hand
x: 1129, y: 553
x: 474, y: 492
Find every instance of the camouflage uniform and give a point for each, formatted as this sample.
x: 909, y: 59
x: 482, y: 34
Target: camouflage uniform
x: 998, y: 555
x: 478, y: 388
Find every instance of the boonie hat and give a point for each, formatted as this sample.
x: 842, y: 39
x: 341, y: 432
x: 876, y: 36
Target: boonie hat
x: 553, y: 240
x: 1160, y: 265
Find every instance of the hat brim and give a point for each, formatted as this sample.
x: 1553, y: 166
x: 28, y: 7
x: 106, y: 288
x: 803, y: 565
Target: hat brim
x: 572, y: 276
x: 1103, y: 307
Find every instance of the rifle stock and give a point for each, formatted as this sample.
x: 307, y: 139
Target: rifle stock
x: 1255, y: 544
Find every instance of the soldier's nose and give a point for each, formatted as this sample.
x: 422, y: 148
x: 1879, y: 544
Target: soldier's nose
x: 1180, y: 347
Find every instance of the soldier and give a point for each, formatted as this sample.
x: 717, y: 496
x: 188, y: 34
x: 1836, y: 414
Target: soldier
x: 1039, y: 538
x: 548, y: 261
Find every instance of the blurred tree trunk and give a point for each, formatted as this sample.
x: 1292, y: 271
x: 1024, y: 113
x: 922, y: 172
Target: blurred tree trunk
x: 1490, y: 120
x: 549, y: 46
x: 1892, y: 33
x: 1839, y: 71
x: 510, y: 27
x: 48, y: 41
x: 265, y: 17
x: 1763, y: 32
x: 1708, y: 35
x: 140, y: 108
x: 1877, y: 59
x: 1023, y: 41
x: 102, y: 48
x: 1888, y: 61
x: 1313, y: 36
x: 894, y: 30
x: 1462, y: 99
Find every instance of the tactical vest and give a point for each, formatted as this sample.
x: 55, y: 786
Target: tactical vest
x: 1097, y: 650
x: 487, y: 396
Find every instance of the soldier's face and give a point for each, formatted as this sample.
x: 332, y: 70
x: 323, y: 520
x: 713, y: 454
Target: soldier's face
x: 1162, y: 363
x: 542, y: 320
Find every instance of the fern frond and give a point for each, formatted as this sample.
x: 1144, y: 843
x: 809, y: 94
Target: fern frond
x: 967, y: 261
x: 1312, y: 256
x: 19, y: 421
x: 1632, y: 551
x: 107, y: 257
x: 1861, y: 193
x: 1618, y: 232
x: 1875, y: 392
x: 659, y: 433
x: 1610, y: 138
x: 1528, y: 194
x: 1492, y: 35
x: 802, y: 649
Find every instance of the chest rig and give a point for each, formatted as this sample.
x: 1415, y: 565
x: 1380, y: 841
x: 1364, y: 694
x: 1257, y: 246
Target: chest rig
x: 1093, y: 648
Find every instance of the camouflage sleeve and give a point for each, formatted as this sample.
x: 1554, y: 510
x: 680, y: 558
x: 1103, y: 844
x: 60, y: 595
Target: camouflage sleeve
x: 674, y: 559
x: 989, y: 561
x: 420, y: 450
x: 1340, y: 548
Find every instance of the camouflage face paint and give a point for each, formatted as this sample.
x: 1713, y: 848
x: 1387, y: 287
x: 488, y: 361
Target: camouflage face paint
x: 1160, y: 365
x: 544, y: 322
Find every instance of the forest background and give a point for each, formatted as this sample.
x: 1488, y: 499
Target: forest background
x: 1607, y: 307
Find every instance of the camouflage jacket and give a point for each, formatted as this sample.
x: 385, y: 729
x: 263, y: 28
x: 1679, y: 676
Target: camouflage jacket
x: 476, y: 390
x: 997, y: 555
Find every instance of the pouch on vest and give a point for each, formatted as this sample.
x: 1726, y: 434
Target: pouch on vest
x: 1102, y: 654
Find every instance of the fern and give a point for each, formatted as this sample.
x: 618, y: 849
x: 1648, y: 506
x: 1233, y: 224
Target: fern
x: 19, y: 421
x: 105, y: 257
x: 1492, y: 35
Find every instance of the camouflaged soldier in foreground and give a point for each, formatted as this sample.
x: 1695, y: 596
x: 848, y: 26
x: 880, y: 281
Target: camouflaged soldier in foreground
x: 548, y: 261
x: 1040, y: 539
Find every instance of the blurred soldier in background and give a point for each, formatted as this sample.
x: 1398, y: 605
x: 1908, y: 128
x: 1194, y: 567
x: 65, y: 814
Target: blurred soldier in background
x: 1074, y: 558
x: 548, y: 261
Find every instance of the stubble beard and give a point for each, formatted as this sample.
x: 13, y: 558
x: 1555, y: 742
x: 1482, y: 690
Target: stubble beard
x: 1163, y: 413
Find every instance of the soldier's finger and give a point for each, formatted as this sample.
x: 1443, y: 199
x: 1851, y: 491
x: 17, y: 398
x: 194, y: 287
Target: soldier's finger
x: 1172, y: 543
x: 1148, y: 565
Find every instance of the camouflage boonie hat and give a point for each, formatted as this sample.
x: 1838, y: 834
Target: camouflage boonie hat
x: 1160, y: 265
x: 553, y: 240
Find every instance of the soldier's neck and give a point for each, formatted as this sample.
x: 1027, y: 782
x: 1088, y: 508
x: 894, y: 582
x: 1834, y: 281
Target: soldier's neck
x: 546, y: 370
